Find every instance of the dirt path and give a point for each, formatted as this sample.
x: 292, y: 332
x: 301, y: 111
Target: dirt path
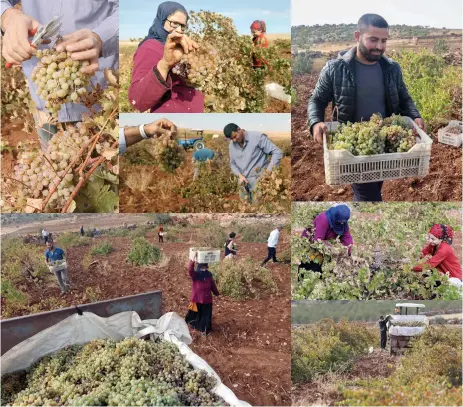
x: 250, y: 345
x: 325, y: 389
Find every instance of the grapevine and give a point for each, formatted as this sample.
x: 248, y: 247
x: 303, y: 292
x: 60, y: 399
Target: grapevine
x: 168, y: 154
x: 376, y: 136
x: 58, y: 79
x: 104, y: 372
x: 79, y: 168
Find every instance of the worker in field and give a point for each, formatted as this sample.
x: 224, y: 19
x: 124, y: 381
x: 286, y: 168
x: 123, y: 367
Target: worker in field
x: 383, y: 330
x: 82, y: 231
x: 360, y: 82
x: 52, y: 255
x: 272, y: 243
x: 161, y: 234
x: 201, y: 156
x: 134, y: 134
x: 154, y: 86
x: 230, y: 247
x: 438, y: 253
x: 259, y: 39
x: 251, y: 153
x: 329, y: 225
x: 44, y: 235
x: 90, y: 32
x: 199, y: 315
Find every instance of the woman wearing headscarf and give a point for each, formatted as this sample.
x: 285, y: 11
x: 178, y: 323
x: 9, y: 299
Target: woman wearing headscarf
x: 439, y: 254
x: 259, y: 39
x: 154, y: 86
x: 199, y: 314
x: 329, y: 225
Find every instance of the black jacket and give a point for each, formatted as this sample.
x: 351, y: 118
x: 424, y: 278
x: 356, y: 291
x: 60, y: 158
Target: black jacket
x: 383, y: 323
x: 336, y: 84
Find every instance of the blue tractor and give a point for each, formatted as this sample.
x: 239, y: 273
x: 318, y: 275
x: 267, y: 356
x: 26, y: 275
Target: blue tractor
x: 197, y: 143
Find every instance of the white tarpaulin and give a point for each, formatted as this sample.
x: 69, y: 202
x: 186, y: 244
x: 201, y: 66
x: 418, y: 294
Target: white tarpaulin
x: 80, y: 329
x: 406, y: 330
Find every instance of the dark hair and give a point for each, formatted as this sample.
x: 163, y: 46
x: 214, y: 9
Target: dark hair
x: 232, y: 235
x: 229, y: 129
x: 374, y: 20
x: 381, y: 317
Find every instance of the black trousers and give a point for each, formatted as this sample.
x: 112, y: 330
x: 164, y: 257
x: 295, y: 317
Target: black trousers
x: 383, y: 339
x: 161, y: 238
x: 369, y: 192
x: 272, y: 255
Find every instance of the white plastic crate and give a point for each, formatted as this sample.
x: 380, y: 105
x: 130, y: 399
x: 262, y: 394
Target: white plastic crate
x: 205, y: 255
x: 443, y: 135
x: 58, y: 265
x: 342, y: 167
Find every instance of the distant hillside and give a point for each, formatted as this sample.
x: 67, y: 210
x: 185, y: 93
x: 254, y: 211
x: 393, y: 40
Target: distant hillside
x: 8, y: 219
x: 303, y: 35
x: 307, y: 312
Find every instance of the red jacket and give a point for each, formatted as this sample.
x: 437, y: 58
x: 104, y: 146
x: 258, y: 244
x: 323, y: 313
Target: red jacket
x: 201, y: 291
x: 259, y: 42
x: 443, y: 259
x: 149, y: 90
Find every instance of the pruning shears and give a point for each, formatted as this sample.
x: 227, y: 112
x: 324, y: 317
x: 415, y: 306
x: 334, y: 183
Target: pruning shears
x: 43, y: 32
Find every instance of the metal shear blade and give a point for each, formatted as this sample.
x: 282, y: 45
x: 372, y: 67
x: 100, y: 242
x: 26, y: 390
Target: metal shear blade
x: 47, y: 31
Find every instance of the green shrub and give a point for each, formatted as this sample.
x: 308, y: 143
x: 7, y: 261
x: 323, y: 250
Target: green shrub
x: 327, y: 346
x: 430, y: 373
x: 143, y: 253
x: 72, y: 239
x: 103, y: 248
x: 241, y: 279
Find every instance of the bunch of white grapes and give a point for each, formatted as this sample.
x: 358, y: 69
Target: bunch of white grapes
x: 59, y: 79
x: 198, y: 67
x: 132, y: 372
x: 168, y: 154
x: 376, y: 136
x: 39, y: 173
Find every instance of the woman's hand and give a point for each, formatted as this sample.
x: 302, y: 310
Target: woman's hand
x: 177, y: 44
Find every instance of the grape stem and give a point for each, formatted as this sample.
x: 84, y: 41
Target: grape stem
x: 84, y: 179
x: 14, y: 179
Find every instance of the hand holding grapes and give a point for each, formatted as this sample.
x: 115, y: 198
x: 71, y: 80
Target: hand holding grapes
x: 160, y: 127
x: 242, y: 180
x: 84, y: 45
x: 16, y: 48
x: 177, y: 45
x: 318, y: 130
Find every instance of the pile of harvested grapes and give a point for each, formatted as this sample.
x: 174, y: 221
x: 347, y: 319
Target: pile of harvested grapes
x: 103, y: 372
x: 377, y: 136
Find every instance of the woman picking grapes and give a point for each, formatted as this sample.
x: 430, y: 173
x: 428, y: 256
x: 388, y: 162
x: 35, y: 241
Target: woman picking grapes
x: 154, y: 86
x: 259, y: 39
x: 331, y: 224
x: 199, y: 314
x: 439, y: 254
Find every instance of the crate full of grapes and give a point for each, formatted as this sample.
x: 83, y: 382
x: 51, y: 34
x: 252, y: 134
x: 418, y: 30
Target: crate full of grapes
x: 375, y: 150
x: 451, y: 134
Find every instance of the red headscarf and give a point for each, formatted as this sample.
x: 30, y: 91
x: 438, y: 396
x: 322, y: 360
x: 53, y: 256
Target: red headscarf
x: 259, y: 25
x: 443, y: 232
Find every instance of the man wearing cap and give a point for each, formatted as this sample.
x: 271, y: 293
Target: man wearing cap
x: 249, y: 157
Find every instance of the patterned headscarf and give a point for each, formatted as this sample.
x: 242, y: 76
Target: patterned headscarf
x: 157, y: 31
x: 338, y: 217
x: 259, y: 25
x: 443, y: 232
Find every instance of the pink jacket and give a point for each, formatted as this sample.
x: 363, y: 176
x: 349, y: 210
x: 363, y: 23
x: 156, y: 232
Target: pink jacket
x: 149, y: 90
x: 201, y: 291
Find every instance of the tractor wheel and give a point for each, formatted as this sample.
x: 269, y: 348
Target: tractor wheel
x: 199, y: 145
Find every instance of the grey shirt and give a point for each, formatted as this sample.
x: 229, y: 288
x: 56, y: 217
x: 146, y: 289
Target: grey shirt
x: 370, y: 95
x: 100, y: 16
x: 253, y: 158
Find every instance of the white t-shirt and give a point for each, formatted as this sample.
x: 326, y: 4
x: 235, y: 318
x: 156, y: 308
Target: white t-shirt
x: 44, y: 233
x: 273, y: 238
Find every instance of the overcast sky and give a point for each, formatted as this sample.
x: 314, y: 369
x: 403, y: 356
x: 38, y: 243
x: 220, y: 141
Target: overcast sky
x: 266, y: 122
x: 435, y: 13
x: 136, y: 17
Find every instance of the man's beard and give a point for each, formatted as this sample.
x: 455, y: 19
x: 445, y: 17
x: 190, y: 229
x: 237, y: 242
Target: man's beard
x: 367, y: 53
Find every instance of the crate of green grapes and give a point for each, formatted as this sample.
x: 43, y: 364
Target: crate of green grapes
x: 375, y: 150
x: 205, y: 255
